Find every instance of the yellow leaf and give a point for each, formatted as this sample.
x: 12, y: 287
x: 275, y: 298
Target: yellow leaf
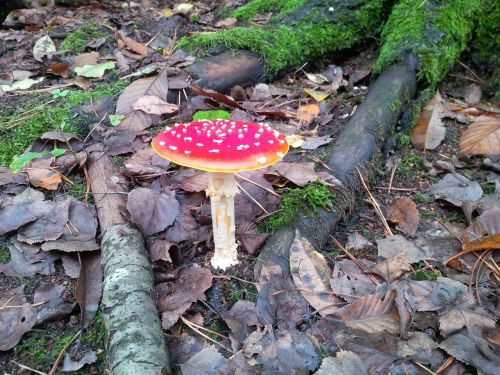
x: 294, y: 140
x: 167, y: 12
x: 429, y: 131
x: 482, y: 137
x: 307, y: 112
x: 44, y: 178
x: 317, y: 95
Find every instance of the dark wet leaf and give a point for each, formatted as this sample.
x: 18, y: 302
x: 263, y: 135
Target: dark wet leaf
x: 192, y: 180
x: 282, y: 351
x: 300, y: 174
x: 394, y: 245
x: 71, y: 265
x: 26, y: 263
x: 87, y: 358
x: 240, y: 318
x: 390, y: 269
x: 356, y: 241
x: 55, y: 306
x: 215, y: 96
x: 174, y: 298
x: 16, y: 317
x: 458, y: 188
x: 484, y: 233
x: 89, y: 286
x: 349, y: 282
x: 151, y: 210
x: 346, y: 363
x: 160, y: 250
x: 312, y: 143
x: 185, y: 228
x: 79, y: 234
x: 404, y: 213
x: 247, y: 234
x: 208, y: 361
x: 311, y: 274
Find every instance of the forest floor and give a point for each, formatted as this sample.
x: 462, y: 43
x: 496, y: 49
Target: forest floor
x: 55, y: 107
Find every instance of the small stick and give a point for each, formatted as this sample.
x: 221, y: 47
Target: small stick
x: 207, y: 329
x: 259, y: 185
x: 28, y: 368
x: 392, y: 178
x: 375, y: 205
x: 355, y: 260
x: 315, y: 159
x: 43, y: 90
x: 393, y: 188
x: 191, y: 325
x: 63, y: 350
x: 472, y: 72
x: 423, y: 367
x: 445, y: 365
x: 3, y: 307
x: 253, y: 199
x: 233, y: 277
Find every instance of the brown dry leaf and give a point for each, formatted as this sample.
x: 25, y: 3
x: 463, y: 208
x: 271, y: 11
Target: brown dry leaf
x: 404, y: 213
x: 371, y: 314
x: 216, y: 96
x: 89, y: 286
x: 455, y: 187
x: 130, y: 44
x: 174, y: 298
x: 349, y: 282
x: 240, y: 318
x: 153, y: 105
x: 152, y: 210
x: 15, y: 321
x: 390, y: 269
x: 393, y: 245
x: 206, y: 361
x: 429, y: 131
x: 484, y: 233
x: 307, y: 112
x: 61, y: 69
x: 53, y: 304
x: 44, y: 178
x: 300, y: 174
x: 160, y: 250
x: 346, y: 363
x: 482, y: 137
x: 138, y: 120
x: 86, y: 59
x: 311, y: 274
x: 26, y: 261
x: 247, y: 234
x: 192, y: 180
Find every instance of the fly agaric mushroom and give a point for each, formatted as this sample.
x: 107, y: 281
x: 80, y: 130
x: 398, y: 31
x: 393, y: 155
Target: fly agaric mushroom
x: 222, y: 148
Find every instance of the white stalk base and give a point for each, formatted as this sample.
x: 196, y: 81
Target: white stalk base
x: 221, y: 189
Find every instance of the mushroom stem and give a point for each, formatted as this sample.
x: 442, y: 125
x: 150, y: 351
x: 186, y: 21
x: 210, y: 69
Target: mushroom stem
x: 222, y: 188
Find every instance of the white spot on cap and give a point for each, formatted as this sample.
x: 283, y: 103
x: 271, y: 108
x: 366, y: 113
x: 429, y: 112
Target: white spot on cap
x: 262, y: 160
x: 178, y: 135
x: 281, y: 141
x: 257, y: 143
x: 271, y: 142
x: 280, y: 154
x: 199, y: 144
x: 219, y: 141
x: 172, y: 132
x: 167, y: 128
x: 240, y: 147
x: 276, y: 134
x: 162, y: 143
x: 173, y: 148
x: 229, y: 130
x: 261, y: 130
x: 188, y: 139
x: 257, y: 135
x: 241, y: 136
x: 184, y: 130
x: 214, y: 150
x: 187, y: 152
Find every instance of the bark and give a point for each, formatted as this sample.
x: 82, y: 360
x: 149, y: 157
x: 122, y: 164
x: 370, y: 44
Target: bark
x: 134, y: 337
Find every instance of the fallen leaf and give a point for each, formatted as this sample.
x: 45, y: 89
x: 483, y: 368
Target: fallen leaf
x: 307, y: 112
x: 484, y: 233
x: 86, y: 359
x: 429, y: 131
x: 311, y: 274
x: 312, y: 143
x: 345, y: 363
x: 317, y: 95
x: 454, y: 186
x: 390, y: 269
x: 404, y: 213
x: 151, y: 210
x: 227, y: 22
x: 240, y: 318
x: 160, y: 250
x: 300, y: 174
x: 250, y: 238
x: 316, y: 78
x: 89, y: 58
x: 174, y: 298
x: 472, y: 94
x: 15, y: 321
x: 43, y: 47
x: 89, y: 286
x: 61, y: 69
x: 24, y: 263
x: 53, y: 305
x: 21, y: 85
x: 94, y: 71
x: 295, y: 140
x: 282, y: 351
x: 207, y: 361
x: 154, y: 106
x: 349, y: 282
x: 263, y: 91
x: 130, y: 44
x: 44, y: 178
x: 356, y: 241
x: 394, y: 245
x: 482, y: 137
x: 371, y: 314
x: 19, y: 162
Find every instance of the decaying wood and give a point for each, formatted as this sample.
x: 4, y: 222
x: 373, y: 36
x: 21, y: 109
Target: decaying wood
x: 134, y: 337
x: 357, y: 146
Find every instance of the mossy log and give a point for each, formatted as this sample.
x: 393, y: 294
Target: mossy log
x: 134, y: 337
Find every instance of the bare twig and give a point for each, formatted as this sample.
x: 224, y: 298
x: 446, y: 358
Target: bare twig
x: 61, y: 353
x: 252, y: 198
x: 423, y: 367
x: 192, y: 326
x: 28, y: 368
x: 472, y: 72
x: 391, y: 180
x: 257, y: 184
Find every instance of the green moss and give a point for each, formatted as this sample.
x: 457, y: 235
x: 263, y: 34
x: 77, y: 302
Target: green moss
x: 430, y: 275
x: 285, y: 44
x: 421, y: 198
x: 488, y: 188
x: 434, y: 31
x: 300, y: 201
x: 402, y: 141
x: 410, y: 165
x: 96, y: 332
x: 16, y: 140
x: 118, y: 161
x: 279, y: 7
x: 487, y: 33
x: 235, y: 291
x: 211, y: 115
x: 4, y: 250
x: 76, y: 40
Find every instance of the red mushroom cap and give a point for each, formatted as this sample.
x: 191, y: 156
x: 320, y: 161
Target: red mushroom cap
x: 221, y: 145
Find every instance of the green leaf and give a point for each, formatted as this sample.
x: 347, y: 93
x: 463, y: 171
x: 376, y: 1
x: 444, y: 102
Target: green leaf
x: 19, y: 162
x: 57, y: 93
x: 116, y: 120
x: 94, y: 71
x: 211, y: 115
x: 21, y: 85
